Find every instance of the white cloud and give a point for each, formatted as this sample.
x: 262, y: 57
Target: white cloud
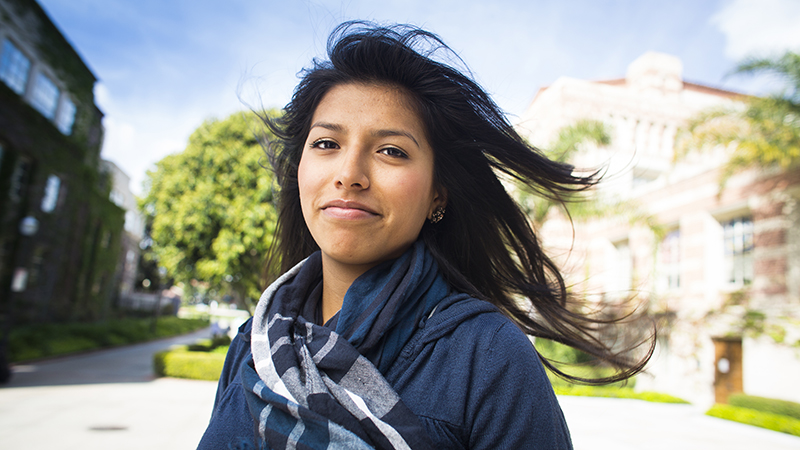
x: 759, y: 27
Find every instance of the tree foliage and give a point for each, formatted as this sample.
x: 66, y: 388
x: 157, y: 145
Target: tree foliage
x: 210, y: 209
x: 765, y: 132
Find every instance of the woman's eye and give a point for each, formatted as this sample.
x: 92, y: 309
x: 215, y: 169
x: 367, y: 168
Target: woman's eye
x: 324, y: 144
x: 395, y: 152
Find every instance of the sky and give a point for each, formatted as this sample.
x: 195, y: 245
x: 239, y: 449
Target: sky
x: 164, y: 67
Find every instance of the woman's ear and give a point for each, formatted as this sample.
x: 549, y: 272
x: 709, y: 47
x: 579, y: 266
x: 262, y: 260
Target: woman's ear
x: 439, y: 201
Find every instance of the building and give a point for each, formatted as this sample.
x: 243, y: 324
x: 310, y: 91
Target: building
x: 716, y: 265
x: 59, y: 232
x: 133, y: 229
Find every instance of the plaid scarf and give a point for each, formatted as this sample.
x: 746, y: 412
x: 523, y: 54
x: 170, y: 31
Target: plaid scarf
x: 321, y: 387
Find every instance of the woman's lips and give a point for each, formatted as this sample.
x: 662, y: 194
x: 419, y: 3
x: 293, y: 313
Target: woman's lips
x: 348, y: 210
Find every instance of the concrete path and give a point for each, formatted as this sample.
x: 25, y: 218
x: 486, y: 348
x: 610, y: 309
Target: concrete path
x: 105, y: 399
x: 162, y: 414
x: 110, y: 399
x: 620, y: 424
x: 133, y: 363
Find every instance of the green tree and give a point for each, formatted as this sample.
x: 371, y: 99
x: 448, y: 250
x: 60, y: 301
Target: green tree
x: 210, y: 209
x: 765, y: 132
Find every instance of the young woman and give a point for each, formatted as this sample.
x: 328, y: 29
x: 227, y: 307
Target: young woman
x: 410, y: 276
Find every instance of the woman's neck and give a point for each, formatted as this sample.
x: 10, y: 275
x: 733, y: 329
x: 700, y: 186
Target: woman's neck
x: 336, y: 280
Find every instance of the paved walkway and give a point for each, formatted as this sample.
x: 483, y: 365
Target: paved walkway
x: 621, y: 424
x: 110, y: 399
x: 129, y: 364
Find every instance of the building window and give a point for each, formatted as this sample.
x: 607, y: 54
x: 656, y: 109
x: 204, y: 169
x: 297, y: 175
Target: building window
x: 14, y: 67
x: 620, y: 274
x: 45, y: 96
x: 669, y: 260
x: 66, y: 116
x: 19, y: 181
x: 738, y: 250
x: 51, y: 191
x: 116, y: 197
x: 130, y: 224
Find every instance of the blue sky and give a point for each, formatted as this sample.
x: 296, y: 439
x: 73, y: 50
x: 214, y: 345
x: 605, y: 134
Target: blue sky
x: 165, y: 66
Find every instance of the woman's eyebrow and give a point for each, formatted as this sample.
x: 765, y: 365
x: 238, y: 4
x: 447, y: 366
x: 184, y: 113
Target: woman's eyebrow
x: 329, y: 126
x: 385, y: 133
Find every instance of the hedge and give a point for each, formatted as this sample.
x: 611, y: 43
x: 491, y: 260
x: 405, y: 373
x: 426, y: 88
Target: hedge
x: 202, y: 360
x: 181, y: 363
x: 764, y: 404
x: 43, y: 340
x: 775, y: 422
x: 576, y: 363
x: 616, y: 392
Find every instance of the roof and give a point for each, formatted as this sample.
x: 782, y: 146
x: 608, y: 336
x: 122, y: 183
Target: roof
x: 689, y: 86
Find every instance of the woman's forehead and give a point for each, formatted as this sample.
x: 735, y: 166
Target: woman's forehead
x: 375, y: 105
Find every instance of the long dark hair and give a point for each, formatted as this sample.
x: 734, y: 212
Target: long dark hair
x: 485, y: 244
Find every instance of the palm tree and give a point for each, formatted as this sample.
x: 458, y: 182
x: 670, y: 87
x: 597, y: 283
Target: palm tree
x: 570, y: 139
x: 765, y: 132
x: 585, y: 205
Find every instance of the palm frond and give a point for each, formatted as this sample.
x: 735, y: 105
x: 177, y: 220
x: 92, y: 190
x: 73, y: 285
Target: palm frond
x: 766, y: 132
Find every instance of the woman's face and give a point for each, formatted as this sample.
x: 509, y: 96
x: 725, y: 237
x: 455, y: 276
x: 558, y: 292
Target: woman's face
x: 366, y: 175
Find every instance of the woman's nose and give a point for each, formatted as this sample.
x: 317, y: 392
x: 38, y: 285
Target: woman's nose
x: 353, y: 171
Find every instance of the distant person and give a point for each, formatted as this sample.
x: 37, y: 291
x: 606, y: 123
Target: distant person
x: 410, y: 276
x: 174, y: 295
x: 216, y: 330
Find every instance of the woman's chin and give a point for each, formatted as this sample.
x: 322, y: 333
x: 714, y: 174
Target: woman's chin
x: 363, y: 256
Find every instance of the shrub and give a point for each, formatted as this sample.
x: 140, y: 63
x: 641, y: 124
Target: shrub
x: 562, y: 353
x: 590, y: 372
x: 756, y: 418
x: 41, y: 340
x: 213, y: 344
x: 220, y: 340
x: 180, y: 362
x: 575, y: 363
x: 202, y: 345
x: 71, y: 344
x: 770, y: 405
x: 616, y: 392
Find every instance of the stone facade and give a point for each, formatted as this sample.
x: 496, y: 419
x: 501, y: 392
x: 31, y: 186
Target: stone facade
x: 59, y: 232
x: 713, y: 263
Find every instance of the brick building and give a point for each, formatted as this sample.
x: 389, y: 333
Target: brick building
x: 59, y: 232
x: 716, y: 265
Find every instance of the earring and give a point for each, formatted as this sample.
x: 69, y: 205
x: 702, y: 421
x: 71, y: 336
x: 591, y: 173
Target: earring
x: 437, y: 215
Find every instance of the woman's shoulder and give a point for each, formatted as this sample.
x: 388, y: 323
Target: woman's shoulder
x: 474, y: 336
x: 475, y: 377
x: 238, y: 351
x: 468, y: 319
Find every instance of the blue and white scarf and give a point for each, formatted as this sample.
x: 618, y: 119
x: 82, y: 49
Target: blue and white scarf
x: 313, y: 387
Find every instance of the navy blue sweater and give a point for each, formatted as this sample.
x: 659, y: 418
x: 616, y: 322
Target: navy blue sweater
x: 469, y: 373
